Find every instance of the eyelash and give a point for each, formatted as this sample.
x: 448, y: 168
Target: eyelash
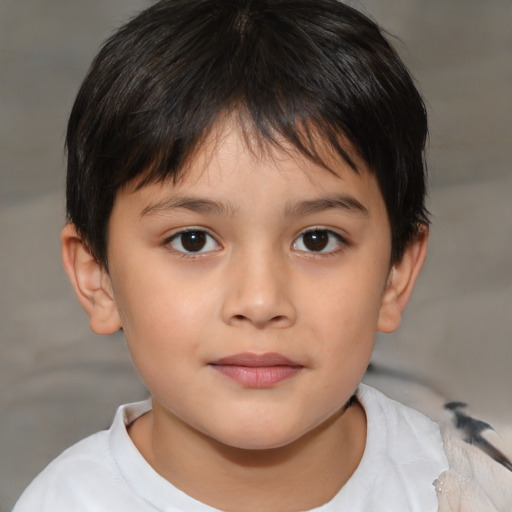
x: 190, y: 254
x: 207, y: 238
x: 341, y: 241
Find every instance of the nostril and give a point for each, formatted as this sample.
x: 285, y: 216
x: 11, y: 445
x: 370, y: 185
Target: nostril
x: 261, y: 314
x: 278, y: 319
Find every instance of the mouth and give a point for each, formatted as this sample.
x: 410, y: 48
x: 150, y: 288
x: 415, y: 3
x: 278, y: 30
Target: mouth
x: 257, y: 370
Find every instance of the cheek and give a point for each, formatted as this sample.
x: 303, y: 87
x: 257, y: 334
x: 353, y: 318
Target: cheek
x: 350, y: 304
x: 152, y: 293
x: 163, y: 317
x: 344, y: 324
x: 163, y: 335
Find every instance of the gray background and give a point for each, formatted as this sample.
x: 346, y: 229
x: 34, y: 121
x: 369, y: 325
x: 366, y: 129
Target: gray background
x: 59, y: 382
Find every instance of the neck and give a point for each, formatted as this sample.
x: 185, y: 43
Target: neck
x: 300, y: 476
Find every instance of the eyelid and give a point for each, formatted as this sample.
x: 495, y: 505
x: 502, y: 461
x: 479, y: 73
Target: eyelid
x: 191, y: 254
x: 343, y: 241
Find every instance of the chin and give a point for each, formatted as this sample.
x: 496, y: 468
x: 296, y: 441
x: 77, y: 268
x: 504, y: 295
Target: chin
x: 260, y: 437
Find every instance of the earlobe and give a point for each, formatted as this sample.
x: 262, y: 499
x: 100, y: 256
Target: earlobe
x: 401, y: 281
x: 90, y: 281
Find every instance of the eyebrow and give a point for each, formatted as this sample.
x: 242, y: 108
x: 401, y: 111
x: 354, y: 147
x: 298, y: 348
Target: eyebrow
x: 210, y: 206
x: 200, y: 205
x: 335, y: 202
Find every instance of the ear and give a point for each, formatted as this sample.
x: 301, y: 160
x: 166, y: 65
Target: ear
x: 400, y: 284
x: 90, y: 281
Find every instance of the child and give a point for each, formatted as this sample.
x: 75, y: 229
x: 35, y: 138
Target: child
x: 246, y: 201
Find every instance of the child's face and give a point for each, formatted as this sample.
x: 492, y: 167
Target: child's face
x: 250, y: 292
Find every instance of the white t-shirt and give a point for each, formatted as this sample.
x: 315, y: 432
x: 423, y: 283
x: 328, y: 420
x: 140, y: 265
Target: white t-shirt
x: 106, y: 473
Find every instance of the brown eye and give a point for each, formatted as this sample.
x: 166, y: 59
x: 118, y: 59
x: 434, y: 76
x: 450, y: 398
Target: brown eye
x: 319, y: 240
x: 315, y: 240
x: 192, y: 241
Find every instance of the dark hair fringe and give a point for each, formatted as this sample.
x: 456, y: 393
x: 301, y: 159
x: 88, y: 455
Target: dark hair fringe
x: 292, y: 70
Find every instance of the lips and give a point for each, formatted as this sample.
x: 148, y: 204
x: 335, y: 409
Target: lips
x: 257, y: 370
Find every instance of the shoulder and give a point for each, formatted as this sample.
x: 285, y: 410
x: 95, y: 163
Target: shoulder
x: 82, y: 477
x: 60, y: 486
x: 479, y: 475
x: 404, y: 430
x: 403, y: 456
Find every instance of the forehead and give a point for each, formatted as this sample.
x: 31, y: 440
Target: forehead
x: 234, y: 138
x: 233, y: 172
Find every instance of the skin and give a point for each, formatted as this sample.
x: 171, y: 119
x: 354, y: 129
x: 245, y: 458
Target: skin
x: 254, y: 287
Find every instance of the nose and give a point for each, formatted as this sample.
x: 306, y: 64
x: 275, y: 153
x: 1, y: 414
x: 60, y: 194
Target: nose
x: 258, y: 292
